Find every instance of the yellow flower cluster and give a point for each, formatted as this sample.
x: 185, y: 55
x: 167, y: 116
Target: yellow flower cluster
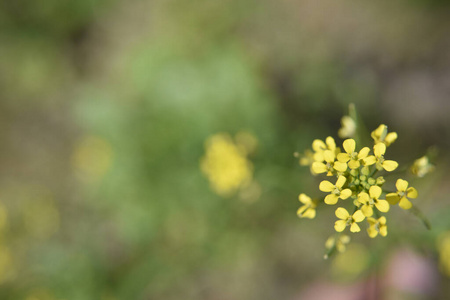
x: 356, y: 171
x: 226, y: 164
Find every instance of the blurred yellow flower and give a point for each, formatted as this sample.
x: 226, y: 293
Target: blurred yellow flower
x: 348, y: 129
x: 422, y: 166
x: 226, y: 165
x: 340, y: 243
x: 377, y: 226
x: 381, y: 135
x: 443, y: 246
x: 308, y: 210
x: 92, y: 157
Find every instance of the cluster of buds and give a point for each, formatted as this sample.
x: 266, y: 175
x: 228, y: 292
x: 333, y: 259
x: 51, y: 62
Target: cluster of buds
x: 357, y: 189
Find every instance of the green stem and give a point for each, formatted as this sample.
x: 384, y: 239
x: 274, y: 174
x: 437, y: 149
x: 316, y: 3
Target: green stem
x: 421, y: 216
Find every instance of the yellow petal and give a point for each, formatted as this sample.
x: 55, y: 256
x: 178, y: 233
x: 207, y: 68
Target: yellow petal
x: 310, y: 213
x: 345, y: 194
x: 382, y: 205
x: 345, y: 239
x: 382, y: 220
x: 401, y: 185
x: 343, y: 157
x: 371, y: 221
x: 329, y: 155
x: 390, y: 138
x: 358, y: 216
x: 330, y: 143
x: 363, y: 198
x: 355, y: 228
x: 377, y: 133
x: 331, y: 199
x: 304, y: 199
x: 318, y: 145
x: 318, y: 156
x: 370, y: 160
x: 383, y: 230
x: 372, y: 232
x: 301, y: 210
x: 339, y: 226
x: 379, y: 149
x: 353, y: 164
x: 341, y: 181
x: 349, y: 146
x: 375, y: 191
x: 318, y: 167
x: 412, y: 193
x: 405, y: 203
x: 340, y: 166
x: 393, y: 198
x: 363, y: 153
x: 367, y: 210
x: 342, y: 213
x: 390, y: 165
x: 326, y: 186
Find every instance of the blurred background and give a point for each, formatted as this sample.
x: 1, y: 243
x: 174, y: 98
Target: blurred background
x: 106, y: 107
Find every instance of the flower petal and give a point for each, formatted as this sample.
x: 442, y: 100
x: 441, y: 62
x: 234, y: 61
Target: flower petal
x: 401, y: 185
x: 375, y: 191
x: 390, y: 138
x: 382, y: 220
x: 382, y: 205
x: 341, y: 181
x: 393, y: 198
x: 372, y: 232
x: 390, y: 165
x: 412, y: 193
x: 329, y: 155
x: 340, y: 166
x: 405, y: 203
x: 340, y: 225
x: 363, y: 152
x: 383, y: 230
x: 310, y: 213
x: 370, y: 160
x: 367, y: 210
x: 330, y: 143
x: 349, y: 145
x: 345, y: 194
x: 342, y: 213
x: 301, y: 210
x: 371, y: 221
x: 331, y: 199
x: 343, y: 157
x: 318, y: 145
x: 379, y: 149
x: 318, y: 167
x: 326, y: 186
x: 354, y: 164
x: 358, y: 216
x: 303, y: 198
x: 355, y: 228
x: 363, y: 197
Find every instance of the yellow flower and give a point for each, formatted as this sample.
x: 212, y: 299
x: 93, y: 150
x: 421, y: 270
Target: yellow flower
x: 351, y: 156
x: 377, y: 226
x: 381, y: 135
x: 335, y: 190
x: 226, y: 165
x: 378, y: 159
x: 320, y: 147
x: 348, y: 128
x: 348, y: 220
x: 422, y: 167
x: 308, y: 210
x: 340, y: 243
x: 372, y: 199
x: 330, y: 166
x: 403, y: 193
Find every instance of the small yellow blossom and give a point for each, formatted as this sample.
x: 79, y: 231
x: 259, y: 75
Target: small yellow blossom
x: 308, y: 210
x: 353, y: 158
x: 370, y: 200
x: 403, y: 193
x: 348, y: 220
x: 335, y: 190
x: 378, y: 159
x: 330, y: 166
x: 348, y: 128
x: 340, y: 243
x: 381, y: 135
x: 226, y: 165
x: 320, y: 147
x: 422, y: 166
x: 377, y: 226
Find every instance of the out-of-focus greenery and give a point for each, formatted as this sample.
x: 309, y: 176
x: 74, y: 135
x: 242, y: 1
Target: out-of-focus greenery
x: 105, y: 108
